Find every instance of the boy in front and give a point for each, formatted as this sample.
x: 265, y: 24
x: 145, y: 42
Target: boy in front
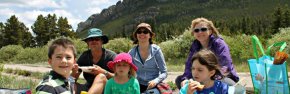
x: 62, y: 59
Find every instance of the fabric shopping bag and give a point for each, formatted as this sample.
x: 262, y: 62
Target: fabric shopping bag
x: 268, y: 78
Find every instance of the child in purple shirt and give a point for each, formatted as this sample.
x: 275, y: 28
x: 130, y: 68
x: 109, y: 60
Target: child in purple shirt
x: 205, y: 70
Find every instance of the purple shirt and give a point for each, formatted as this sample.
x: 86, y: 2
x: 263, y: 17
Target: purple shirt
x: 218, y: 46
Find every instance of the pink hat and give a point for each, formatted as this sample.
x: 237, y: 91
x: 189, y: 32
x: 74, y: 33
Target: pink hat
x: 122, y: 57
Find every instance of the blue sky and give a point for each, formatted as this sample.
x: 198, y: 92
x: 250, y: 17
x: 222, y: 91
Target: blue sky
x: 75, y: 10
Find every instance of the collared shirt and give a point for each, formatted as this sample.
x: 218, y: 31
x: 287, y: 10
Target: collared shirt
x: 86, y: 59
x: 54, y: 83
x: 218, y: 46
x: 154, y: 67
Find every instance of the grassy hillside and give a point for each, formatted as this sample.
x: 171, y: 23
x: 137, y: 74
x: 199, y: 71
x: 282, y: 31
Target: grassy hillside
x: 179, y: 13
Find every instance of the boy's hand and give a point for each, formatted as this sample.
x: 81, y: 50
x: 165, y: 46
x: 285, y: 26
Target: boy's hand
x: 75, y: 68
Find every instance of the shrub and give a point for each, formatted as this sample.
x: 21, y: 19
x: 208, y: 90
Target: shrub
x: 119, y: 45
x: 80, y: 45
x: 283, y: 35
x: 240, y: 47
x: 32, y: 55
x: 1, y: 69
x: 178, y: 47
x: 8, y: 53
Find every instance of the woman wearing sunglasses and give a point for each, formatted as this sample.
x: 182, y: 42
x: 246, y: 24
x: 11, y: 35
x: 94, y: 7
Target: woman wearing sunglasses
x: 207, y: 36
x: 149, y: 59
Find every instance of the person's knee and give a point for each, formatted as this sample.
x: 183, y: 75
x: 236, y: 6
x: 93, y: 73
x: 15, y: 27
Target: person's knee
x: 101, y: 78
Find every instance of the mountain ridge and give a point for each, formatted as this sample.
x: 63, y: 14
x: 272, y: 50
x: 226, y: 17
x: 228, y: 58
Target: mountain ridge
x: 121, y: 19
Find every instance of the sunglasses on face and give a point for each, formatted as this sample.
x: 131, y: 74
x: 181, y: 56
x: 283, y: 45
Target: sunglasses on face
x: 203, y: 29
x: 143, y: 31
x: 94, y: 39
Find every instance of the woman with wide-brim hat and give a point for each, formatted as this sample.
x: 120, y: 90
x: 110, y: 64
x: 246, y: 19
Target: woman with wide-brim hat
x: 96, y: 56
x: 149, y: 59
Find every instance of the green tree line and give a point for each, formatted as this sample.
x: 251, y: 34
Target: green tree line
x: 45, y: 28
x: 266, y: 25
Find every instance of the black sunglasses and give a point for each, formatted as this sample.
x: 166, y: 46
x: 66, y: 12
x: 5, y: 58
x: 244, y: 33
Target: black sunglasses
x: 143, y: 31
x: 203, y: 29
x: 94, y: 38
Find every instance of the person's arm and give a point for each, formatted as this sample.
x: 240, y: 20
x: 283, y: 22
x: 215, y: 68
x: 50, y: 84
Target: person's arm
x: 97, y: 70
x: 75, y: 72
x: 187, y: 71
x: 162, y: 67
x: 98, y: 85
x: 223, y: 53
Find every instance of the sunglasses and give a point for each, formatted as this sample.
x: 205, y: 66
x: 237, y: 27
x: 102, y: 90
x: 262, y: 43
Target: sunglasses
x: 143, y: 31
x: 94, y: 39
x: 203, y: 29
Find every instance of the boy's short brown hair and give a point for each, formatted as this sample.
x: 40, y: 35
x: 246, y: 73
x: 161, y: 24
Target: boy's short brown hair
x: 64, y: 42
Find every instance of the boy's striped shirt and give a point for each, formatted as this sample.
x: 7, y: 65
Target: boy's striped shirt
x: 55, y: 84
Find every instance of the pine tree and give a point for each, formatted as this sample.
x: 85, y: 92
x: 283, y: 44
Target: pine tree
x: 1, y: 34
x: 16, y: 33
x: 51, y: 26
x: 277, y: 23
x: 286, y: 16
x: 39, y: 29
x: 64, y: 29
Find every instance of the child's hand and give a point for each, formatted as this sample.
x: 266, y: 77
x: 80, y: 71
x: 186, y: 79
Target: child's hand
x: 193, y: 86
x: 151, y: 84
x: 183, y: 82
x: 75, y: 68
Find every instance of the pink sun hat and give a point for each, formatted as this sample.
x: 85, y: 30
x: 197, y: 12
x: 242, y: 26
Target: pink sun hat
x: 125, y: 57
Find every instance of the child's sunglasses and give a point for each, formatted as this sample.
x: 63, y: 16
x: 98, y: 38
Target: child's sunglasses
x: 203, y: 29
x: 143, y: 31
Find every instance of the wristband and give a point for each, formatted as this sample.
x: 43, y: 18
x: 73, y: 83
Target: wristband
x: 106, y: 73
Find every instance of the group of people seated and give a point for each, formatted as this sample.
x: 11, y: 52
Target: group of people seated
x: 208, y: 69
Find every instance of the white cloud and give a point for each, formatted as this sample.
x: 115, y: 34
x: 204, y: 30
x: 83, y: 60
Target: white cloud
x: 75, y: 11
x: 93, y: 10
x: 6, y: 12
x: 30, y: 4
x: 98, y: 5
x: 42, y: 4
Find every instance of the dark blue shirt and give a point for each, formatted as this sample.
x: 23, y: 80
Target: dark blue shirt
x: 218, y: 88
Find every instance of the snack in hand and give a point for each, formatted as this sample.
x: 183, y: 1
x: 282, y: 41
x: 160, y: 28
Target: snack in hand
x: 87, y: 68
x: 200, y: 87
x: 280, y: 58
